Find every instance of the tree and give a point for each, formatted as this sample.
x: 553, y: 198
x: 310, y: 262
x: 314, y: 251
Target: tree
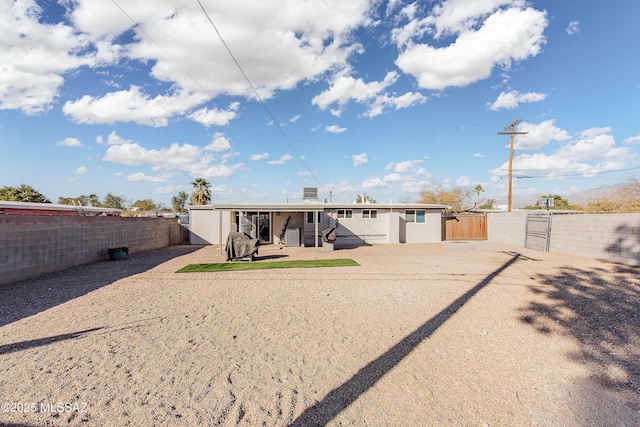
x: 367, y: 199
x: 24, y: 193
x: 488, y: 204
x: 145, y: 205
x: 94, y: 200
x: 178, y: 202
x: 80, y: 200
x: 201, y: 194
x: 114, y: 202
x: 559, y: 203
x: 457, y: 199
x: 478, y: 189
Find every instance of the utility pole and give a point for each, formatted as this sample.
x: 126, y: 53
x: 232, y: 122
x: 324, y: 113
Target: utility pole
x: 511, y: 130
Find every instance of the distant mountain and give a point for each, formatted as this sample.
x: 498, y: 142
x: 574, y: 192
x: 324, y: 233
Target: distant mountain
x: 586, y: 196
x: 581, y: 198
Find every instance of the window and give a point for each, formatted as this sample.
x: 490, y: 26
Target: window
x: 310, y: 217
x: 370, y: 213
x: 345, y: 213
x: 410, y: 216
x: 416, y: 216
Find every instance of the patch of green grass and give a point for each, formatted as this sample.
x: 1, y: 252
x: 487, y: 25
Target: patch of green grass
x: 262, y: 265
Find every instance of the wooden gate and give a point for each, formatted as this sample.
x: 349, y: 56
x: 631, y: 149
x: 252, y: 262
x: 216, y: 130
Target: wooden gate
x: 464, y: 226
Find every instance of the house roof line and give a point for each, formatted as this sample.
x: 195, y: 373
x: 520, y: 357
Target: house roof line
x: 313, y: 207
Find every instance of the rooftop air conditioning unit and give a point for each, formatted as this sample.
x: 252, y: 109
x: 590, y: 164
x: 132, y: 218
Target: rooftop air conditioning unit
x: 310, y: 194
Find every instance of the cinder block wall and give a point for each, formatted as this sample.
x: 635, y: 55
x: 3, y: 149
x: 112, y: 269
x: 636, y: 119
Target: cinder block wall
x: 507, y: 227
x: 610, y: 237
x: 31, y: 245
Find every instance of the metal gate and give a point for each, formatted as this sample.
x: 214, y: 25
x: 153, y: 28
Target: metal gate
x: 538, y: 232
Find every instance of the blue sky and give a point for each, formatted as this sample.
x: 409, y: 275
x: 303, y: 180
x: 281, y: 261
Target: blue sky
x: 390, y: 98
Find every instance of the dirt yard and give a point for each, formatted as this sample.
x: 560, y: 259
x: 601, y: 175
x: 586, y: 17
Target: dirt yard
x: 448, y: 334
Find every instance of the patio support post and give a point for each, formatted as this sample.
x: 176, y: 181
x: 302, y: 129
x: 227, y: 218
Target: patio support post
x: 220, y: 230
x: 315, y: 222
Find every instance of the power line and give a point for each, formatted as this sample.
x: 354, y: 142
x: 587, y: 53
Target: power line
x: 255, y: 92
x: 205, y: 91
x: 579, y: 174
x: 159, y: 45
x: 511, y: 131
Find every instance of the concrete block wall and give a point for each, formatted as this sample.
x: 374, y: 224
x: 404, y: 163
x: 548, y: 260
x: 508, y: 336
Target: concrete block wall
x: 507, y: 227
x: 31, y: 245
x: 609, y: 237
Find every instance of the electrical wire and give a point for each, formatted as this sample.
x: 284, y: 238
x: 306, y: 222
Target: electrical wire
x: 581, y: 174
x: 205, y: 91
x: 259, y: 98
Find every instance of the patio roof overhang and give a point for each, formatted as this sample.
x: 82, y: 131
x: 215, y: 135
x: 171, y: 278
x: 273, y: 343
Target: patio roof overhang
x: 311, y: 207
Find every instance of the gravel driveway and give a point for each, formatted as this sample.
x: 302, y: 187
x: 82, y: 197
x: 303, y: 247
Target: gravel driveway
x: 447, y: 334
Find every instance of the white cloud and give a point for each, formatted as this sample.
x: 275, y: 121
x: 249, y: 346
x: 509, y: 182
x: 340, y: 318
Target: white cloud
x: 392, y: 177
x: 188, y: 158
x: 335, y: 129
x: 345, y: 88
x: 36, y: 55
x: 359, y: 159
x: 131, y: 106
x: 392, y: 5
x: 262, y: 156
x: 538, y: 135
x: 412, y: 186
x: 283, y: 159
x: 573, y: 28
x: 112, y: 139
x: 294, y: 118
x: 219, y: 144
x: 82, y: 170
x: 404, y: 167
x: 455, y: 16
x: 504, y: 36
x: 281, y: 43
x: 215, y: 116
x: 632, y: 140
x: 463, y: 181
x: 141, y: 177
x: 373, y: 182
x: 173, y: 157
x: 298, y: 42
x: 595, y: 144
x: 380, y: 103
x: 594, y: 152
x: 510, y: 100
x: 70, y: 142
x: 478, y: 155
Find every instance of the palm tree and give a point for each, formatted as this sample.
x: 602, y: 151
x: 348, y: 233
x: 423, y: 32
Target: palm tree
x: 478, y: 189
x: 94, y: 200
x: 201, y: 194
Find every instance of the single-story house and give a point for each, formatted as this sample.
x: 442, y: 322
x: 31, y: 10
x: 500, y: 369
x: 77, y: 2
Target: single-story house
x: 302, y: 224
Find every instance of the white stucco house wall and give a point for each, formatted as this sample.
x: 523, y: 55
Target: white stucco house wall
x: 302, y: 224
